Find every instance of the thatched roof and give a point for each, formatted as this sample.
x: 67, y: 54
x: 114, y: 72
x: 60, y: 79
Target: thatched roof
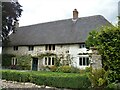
x: 57, y: 32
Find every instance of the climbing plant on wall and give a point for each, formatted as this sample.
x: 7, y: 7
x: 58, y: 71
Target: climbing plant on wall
x: 24, y: 62
x: 57, y: 59
x: 6, y: 60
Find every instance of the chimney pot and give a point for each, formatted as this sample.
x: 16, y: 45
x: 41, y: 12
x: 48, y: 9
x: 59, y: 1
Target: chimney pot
x: 75, y: 14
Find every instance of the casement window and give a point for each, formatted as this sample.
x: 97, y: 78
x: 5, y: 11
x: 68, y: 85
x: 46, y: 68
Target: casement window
x: 82, y: 46
x: 50, y: 47
x: 14, y: 61
x: 83, y: 61
x: 15, y: 48
x: 30, y: 48
x: 49, y: 61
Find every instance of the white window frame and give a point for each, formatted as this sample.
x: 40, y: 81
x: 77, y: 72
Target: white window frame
x: 86, y: 57
x: 14, y: 61
x: 46, y: 61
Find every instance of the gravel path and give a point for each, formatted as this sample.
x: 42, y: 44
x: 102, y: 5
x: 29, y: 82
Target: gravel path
x: 14, y: 84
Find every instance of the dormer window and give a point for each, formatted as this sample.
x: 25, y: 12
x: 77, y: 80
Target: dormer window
x: 82, y: 46
x: 15, y: 48
x: 30, y: 48
x: 49, y: 47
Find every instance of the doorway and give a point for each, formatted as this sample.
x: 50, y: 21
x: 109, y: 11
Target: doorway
x: 35, y: 64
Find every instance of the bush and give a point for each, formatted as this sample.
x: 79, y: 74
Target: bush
x: 53, y: 79
x: 75, y: 70
x: 88, y: 69
x: 53, y: 68
x: 98, y: 78
x: 6, y: 60
x: 114, y: 86
x: 65, y: 69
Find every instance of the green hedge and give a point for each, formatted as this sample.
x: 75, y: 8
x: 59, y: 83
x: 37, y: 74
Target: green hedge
x: 54, y: 79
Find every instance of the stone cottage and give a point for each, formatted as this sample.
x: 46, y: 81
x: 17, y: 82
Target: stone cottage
x: 63, y: 38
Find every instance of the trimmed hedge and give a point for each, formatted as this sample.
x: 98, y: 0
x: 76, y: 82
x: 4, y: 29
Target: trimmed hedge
x: 53, y: 79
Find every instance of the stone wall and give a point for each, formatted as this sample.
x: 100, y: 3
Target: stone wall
x: 96, y: 60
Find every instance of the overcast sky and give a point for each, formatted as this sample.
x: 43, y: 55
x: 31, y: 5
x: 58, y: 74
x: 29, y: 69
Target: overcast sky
x: 39, y: 11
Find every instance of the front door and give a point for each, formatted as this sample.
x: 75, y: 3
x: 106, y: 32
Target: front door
x: 35, y: 64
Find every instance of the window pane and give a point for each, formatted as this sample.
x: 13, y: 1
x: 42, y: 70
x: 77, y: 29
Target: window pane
x: 80, y: 61
x: 49, y: 61
x: 87, y: 61
x: 45, y: 61
x: 46, y: 47
x: 15, y: 61
x: 80, y: 45
x: 83, y: 60
x: 15, y: 48
x: 52, y: 60
x: 31, y: 48
x: 53, y: 47
x: 49, y: 47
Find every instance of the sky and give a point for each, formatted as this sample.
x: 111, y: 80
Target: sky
x: 40, y: 11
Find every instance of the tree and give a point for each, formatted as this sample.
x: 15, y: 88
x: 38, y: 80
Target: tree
x: 11, y: 11
x: 107, y: 41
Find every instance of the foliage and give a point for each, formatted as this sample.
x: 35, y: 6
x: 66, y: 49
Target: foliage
x: 53, y: 79
x: 108, y: 43
x: 6, y: 60
x: 11, y: 11
x: 98, y: 78
x: 67, y: 69
x: 114, y: 85
x: 53, y: 68
x: 24, y: 62
x: 92, y: 39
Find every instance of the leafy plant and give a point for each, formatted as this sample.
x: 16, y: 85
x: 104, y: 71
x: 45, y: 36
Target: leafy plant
x: 107, y: 41
x: 98, y: 78
x: 24, y: 62
x: 6, y: 60
x: 53, y: 79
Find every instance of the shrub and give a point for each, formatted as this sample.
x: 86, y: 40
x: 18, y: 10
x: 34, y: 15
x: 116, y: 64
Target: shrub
x: 88, y: 69
x: 24, y: 62
x: 53, y: 79
x: 65, y: 69
x: 6, y: 60
x: 114, y: 86
x: 53, y: 68
x: 98, y: 78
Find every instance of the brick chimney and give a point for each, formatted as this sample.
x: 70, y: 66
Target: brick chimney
x: 75, y: 14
